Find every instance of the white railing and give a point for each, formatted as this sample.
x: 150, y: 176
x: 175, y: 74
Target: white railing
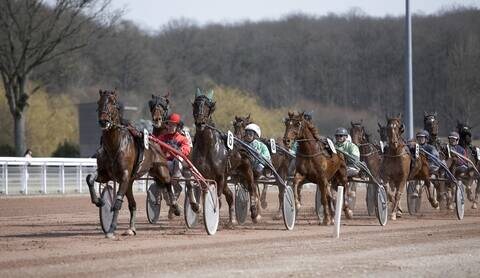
x: 47, y: 175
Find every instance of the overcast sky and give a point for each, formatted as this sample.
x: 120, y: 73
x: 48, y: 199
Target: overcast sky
x: 152, y: 14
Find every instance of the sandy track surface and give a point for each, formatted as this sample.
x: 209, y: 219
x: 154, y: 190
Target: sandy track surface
x: 60, y: 236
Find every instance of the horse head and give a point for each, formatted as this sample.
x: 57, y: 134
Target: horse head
x: 203, y: 107
x: 159, y: 106
x: 465, y: 132
x: 108, y: 109
x: 394, y: 130
x: 430, y: 123
x: 239, y: 125
x: 358, y: 133
x: 295, y: 126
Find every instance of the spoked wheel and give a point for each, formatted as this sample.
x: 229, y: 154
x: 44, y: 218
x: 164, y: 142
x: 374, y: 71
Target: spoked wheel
x: 381, y: 205
x: 154, y: 203
x: 241, y: 203
x: 106, y: 212
x: 288, y: 208
x: 460, y: 200
x: 371, y: 199
x: 191, y: 217
x: 352, y: 197
x: 211, y: 210
x: 414, y: 201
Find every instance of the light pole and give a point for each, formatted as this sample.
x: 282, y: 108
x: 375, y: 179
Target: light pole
x: 408, y: 72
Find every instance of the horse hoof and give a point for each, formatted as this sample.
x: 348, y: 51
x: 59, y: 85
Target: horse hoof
x: 399, y: 214
x: 278, y: 216
x: 349, y: 213
x: 264, y: 204
x: 195, y: 207
x: 256, y: 219
x: 435, y: 204
x: 100, y: 203
x: 110, y: 236
x: 474, y: 206
x: 450, y: 207
x: 129, y: 232
x: 393, y: 216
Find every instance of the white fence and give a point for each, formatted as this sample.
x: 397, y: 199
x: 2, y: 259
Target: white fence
x: 46, y: 175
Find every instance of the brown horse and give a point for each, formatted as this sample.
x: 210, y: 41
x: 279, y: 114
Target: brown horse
x: 212, y: 158
x: 280, y: 161
x: 369, y: 152
x: 159, y: 107
x: 117, y: 160
x: 398, y: 166
x: 314, y: 163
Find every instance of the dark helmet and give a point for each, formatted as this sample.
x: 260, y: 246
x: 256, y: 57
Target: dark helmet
x: 341, y: 131
x: 423, y: 133
x: 454, y: 135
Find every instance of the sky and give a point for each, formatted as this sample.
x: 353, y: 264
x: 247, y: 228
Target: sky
x: 153, y: 14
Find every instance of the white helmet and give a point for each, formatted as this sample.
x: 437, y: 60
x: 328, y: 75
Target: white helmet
x: 255, y: 128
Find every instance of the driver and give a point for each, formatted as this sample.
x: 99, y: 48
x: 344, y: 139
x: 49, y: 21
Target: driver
x: 252, y: 133
x: 341, y: 143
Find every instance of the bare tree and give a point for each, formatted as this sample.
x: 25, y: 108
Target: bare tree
x: 34, y: 32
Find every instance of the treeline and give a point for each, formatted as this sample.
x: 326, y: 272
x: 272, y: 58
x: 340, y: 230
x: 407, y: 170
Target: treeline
x: 351, y: 61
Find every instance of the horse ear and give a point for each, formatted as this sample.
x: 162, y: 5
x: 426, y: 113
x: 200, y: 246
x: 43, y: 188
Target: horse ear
x: 290, y: 114
x: 100, y: 92
x: 400, y: 115
x: 198, y: 92
x: 425, y: 113
x: 351, y: 123
x: 210, y: 95
x: 435, y: 114
x: 167, y: 95
x: 248, y: 117
x: 379, y: 125
x: 153, y: 96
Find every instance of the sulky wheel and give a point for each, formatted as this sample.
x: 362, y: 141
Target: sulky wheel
x: 460, y: 200
x: 106, y: 212
x: 191, y: 217
x: 154, y: 202
x: 211, y: 210
x: 381, y: 205
x: 288, y: 208
x: 241, y: 203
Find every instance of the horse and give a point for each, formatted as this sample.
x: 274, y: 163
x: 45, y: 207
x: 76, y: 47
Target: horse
x: 369, y: 152
x: 280, y: 161
x: 212, y: 158
x: 118, y: 161
x: 314, y: 163
x: 465, y: 140
x: 159, y: 108
x: 398, y: 166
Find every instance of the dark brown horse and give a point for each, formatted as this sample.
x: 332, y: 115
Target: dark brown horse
x: 280, y: 161
x: 369, y: 152
x: 314, y: 163
x: 118, y: 160
x: 159, y: 107
x: 465, y: 140
x: 398, y: 166
x: 212, y: 158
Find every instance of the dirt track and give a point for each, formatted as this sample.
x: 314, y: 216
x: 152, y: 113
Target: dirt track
x: 61, y: 236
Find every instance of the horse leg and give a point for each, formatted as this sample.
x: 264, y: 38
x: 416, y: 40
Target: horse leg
x: 223, y: 188
x: 346, y: 205
x: 132, y: 207
x: 191, y: 192
x: 253, y: 190
x: 326, y: 202
x: 431, y: 192
x: 297, y: 180
x: 396, y: 202
x: 263, y: 197
x: 477, y: 192
x: 124, y: 184
x: 279, y: 213
x: 91, y: 179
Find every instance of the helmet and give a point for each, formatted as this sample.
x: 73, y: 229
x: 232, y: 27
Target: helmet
x: 423, y: 133
x: 453, y: 134
x: 174, y: 118
x: 341, y: 131
x: 254, y: 128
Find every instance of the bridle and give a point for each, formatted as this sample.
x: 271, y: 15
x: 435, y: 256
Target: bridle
x: 159, y: 103
x: 108, y: 109
x: 200, y: 102
x: 299, y: 130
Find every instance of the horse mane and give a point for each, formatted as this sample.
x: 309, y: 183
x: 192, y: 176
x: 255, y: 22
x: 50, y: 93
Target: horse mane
x: 312, y: 129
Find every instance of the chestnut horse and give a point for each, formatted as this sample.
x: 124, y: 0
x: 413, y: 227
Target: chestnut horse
x: 212, y: 158
x: 314, y: 163
x: 398, y: 166
x: 280, y: 161
x: 117, y: 161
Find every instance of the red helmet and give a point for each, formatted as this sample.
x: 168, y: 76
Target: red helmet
x: 174, y: 118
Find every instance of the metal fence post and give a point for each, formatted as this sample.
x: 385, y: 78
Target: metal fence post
x: 62, y: 178
x: 6, y: 178
x: 44, y: 178
x: 79, y: 178
x: 25, y: 179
